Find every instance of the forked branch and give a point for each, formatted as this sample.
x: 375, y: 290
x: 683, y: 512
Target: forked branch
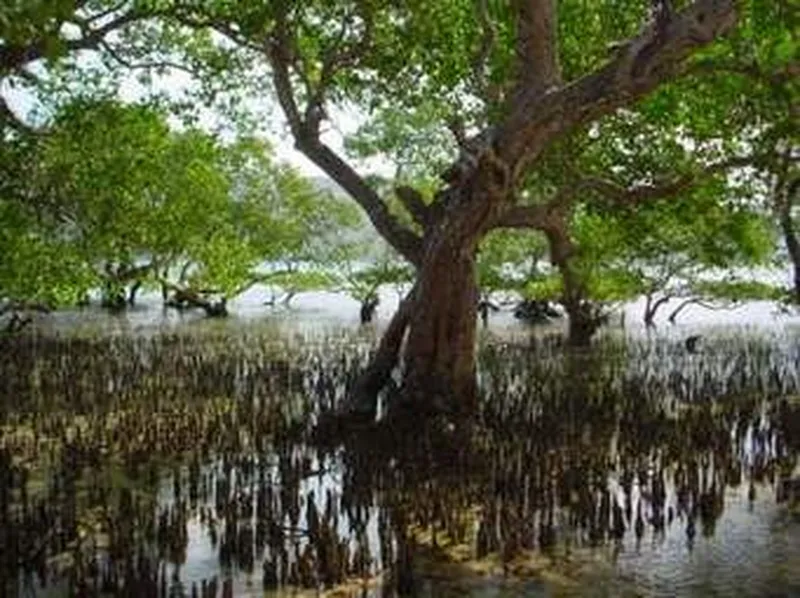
x: 539, y: 216
x: 638, y: 67
x: 304, y: 125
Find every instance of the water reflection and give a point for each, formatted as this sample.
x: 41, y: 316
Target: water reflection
x: 184, y: 465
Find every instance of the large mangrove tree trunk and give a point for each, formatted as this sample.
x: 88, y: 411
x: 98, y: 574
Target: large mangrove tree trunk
x: 534, y: 107
x: 440, y: 349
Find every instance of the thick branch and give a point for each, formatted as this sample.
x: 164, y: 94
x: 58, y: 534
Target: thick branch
x: 364, y: 396
x: 638, y: 67
x: 307, y: 140
x: 408, y: 244
x: 412, y: 201
x: 786, y: 74
x: 537, y: 50
x: 538, y: 216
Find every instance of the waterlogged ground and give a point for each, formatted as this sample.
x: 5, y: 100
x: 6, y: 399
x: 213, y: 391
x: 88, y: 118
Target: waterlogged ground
x: 188, y: 462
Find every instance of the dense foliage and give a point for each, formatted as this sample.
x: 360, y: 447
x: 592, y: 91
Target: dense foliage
x: 669, y: 197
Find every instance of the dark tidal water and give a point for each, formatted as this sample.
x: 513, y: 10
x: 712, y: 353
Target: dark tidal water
x: 188, y: 463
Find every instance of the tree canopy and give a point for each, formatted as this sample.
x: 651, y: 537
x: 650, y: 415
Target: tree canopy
x: 622, y: 134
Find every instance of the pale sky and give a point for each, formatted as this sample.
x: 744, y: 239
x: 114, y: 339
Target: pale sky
x: 175, y: 83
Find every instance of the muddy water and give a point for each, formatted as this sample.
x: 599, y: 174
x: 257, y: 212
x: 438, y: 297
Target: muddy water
x: 163, y: 464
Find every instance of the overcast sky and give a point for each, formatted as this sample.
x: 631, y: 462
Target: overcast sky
x: 175, y: 83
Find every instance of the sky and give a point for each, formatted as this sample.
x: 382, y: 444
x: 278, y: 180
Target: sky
x: 176, y: 83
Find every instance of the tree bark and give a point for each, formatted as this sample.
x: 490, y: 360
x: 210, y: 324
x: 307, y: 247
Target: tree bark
x: 134, y: 290
x: 440, y: 363
x: 584, y: 322
x: 190, y: 299
x: 363, y: 399
x: 583, y: 318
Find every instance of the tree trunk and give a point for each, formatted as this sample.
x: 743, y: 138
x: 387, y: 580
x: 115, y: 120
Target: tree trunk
x: 440, y: 365
x: 363, y: 399
x: 438, y: 321
x: 793, y: 246
x: 583, y: 323
x: 649, y: 312
x: 113, y: 298
x: 584, y: 319
x: 134, y: 290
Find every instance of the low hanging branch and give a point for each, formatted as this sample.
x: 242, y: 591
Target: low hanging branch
x: 702, y: 303
x: 183, y: 298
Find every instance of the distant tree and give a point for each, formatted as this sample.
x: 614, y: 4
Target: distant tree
x: 142, y: 205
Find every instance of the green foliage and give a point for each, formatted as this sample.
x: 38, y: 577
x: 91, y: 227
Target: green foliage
x: 299, y: 281
x: 738, y: 290
x: 662, y: 247
x: 131, y: 200
x: 362, y: 266
x: 35, y: 267
x: 507, y: 259
x: 111, y: 186
x: 549, y: 287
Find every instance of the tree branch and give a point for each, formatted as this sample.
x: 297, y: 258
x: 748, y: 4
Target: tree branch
x: 540, y: 216
x: 638, y: 67
x: 14, y: 57
x: 479, y: 64
x: 790, y: 72
x: 537, y: 48
x: 536, y: 217
x: 160, y: 64
x: 639, y: 194
x: 732, y: 304
x: 307, y: 139
x: 342, y: 56
x: 412, y: 201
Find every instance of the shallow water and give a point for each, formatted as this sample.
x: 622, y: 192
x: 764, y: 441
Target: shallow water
x: 547, y: 488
